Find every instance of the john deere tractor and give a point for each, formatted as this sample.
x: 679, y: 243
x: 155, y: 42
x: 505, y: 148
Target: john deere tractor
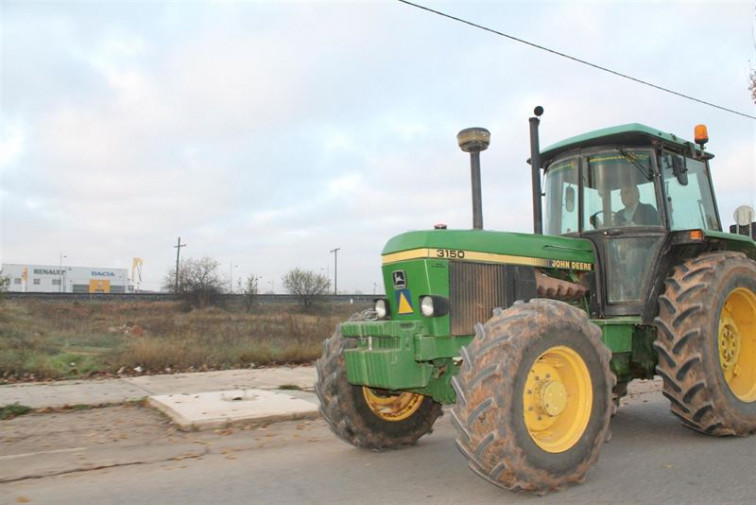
x: 533, y: 338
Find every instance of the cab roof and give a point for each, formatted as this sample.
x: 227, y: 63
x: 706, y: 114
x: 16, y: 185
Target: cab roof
x: 628, y: 134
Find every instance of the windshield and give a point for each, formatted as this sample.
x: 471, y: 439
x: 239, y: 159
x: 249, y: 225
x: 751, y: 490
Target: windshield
x: 618, y: 190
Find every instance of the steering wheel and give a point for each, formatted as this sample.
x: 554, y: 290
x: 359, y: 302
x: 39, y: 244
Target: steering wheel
x: 596, y: 222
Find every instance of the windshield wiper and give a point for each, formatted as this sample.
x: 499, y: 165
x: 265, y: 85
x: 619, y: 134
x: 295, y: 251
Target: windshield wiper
x: 632, y: 159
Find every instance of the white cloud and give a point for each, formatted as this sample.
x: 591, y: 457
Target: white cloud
x: 266, y: 134
x: 12, y: 144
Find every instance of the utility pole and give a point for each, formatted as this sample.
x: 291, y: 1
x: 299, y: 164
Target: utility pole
x: 178, y: 254
x: 336, y: 270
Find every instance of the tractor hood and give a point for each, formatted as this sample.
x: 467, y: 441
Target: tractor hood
x: 491, y: 246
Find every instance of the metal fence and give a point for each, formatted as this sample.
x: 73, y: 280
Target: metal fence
x: 232, y: 299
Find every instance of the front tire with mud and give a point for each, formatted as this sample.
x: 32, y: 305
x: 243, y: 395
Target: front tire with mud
x: 365, y: 417
x: 534, y: 397
x: 707, y: 343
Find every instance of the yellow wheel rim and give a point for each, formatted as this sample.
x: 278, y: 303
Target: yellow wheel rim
x: 737, y: 343
x: 390, y: 407
x: 557, y: 399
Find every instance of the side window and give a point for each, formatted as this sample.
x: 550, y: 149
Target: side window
x: 561, y: 202
x: 690, y: 205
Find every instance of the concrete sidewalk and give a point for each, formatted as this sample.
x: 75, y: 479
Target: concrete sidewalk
x: 197, y: 401
x: 192, y: 400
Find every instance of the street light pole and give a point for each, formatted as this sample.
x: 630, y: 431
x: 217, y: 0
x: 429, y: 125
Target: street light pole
x: 336, y: 270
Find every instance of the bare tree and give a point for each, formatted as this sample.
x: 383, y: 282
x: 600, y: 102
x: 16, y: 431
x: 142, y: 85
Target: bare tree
x: 251, y: 290
x: 199, y: 282
x: 306, y: 285
x: 752, y: 86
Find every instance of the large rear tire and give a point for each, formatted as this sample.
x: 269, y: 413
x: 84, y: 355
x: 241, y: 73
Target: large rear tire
x: 534, y: 397
x: 707, y: 343
x: 365, y: 417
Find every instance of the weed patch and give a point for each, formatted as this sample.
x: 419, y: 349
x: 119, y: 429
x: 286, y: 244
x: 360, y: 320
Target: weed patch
x: 53, y: 340
x: 289, y: 387
x: 13, y: 410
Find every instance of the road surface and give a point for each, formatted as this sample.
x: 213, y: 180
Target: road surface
x: 651, y: 458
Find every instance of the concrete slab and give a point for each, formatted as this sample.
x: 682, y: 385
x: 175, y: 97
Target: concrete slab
x: 198, y: 411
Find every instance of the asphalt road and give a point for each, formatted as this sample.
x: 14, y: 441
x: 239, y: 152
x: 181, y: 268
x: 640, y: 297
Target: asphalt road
x: 651, y: 458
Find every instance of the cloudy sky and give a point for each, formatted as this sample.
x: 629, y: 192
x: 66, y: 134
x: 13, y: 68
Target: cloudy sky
x: 266, y: 134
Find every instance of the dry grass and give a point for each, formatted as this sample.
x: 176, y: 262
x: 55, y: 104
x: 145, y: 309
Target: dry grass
x: 53, y: 340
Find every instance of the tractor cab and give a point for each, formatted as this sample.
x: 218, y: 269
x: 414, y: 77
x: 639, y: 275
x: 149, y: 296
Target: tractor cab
x: 625, y: 189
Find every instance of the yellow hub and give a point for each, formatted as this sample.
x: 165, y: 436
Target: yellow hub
x: 391, y: 407
x: 552, y: 398
x: 729, y: 343
x: 557, y: 399
x: 737, y: 343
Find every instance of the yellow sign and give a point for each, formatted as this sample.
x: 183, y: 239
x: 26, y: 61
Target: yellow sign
x: 98, y: 286
x: 404, y: 301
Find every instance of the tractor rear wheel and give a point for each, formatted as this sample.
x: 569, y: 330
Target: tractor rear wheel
x: 366, y: 417
x: 707, y: 343
x: 534, y: 397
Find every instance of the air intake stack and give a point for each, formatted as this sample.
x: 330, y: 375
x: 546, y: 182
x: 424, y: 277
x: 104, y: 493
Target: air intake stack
x: 473, y: 141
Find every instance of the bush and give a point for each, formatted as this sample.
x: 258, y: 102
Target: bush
x: 306, y: 285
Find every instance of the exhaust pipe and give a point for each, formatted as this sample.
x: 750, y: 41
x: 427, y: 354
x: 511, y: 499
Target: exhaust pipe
x: 473, y: 141
x: 535, y: 168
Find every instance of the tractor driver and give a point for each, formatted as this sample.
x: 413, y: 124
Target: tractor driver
x: 635, y: 212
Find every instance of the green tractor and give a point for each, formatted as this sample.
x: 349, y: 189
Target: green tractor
x: 533, y: 338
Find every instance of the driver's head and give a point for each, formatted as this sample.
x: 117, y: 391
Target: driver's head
x: 630, y: 195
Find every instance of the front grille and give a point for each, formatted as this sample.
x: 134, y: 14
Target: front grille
x: 475, y: 289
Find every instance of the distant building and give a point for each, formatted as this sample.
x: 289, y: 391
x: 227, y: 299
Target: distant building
x: 65, y: 279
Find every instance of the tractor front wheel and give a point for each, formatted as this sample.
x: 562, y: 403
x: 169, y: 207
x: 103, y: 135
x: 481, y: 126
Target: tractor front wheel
x: 367, y: 417
x: 707, y: 343
x: 534, y: 397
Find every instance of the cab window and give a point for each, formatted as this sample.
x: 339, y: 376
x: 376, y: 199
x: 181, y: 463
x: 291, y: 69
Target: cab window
x: 561, y: 205
x: 689, y: 201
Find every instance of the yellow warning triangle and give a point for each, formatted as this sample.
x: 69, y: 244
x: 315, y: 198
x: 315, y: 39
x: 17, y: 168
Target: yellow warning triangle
x: 405, y: 307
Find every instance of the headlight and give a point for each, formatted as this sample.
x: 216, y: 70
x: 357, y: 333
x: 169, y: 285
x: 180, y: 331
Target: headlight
x: 426, y: 306
x: 434, y: 306
x: 381, y: 308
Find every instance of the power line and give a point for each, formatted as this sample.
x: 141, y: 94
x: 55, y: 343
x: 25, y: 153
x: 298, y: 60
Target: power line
x: 573, y: 58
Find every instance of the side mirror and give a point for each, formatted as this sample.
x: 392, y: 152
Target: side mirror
x: 680, y: 170
x: 569, y: 199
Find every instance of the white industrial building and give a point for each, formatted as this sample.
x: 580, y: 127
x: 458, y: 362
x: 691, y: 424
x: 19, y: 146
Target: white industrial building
x: 65, y: 279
